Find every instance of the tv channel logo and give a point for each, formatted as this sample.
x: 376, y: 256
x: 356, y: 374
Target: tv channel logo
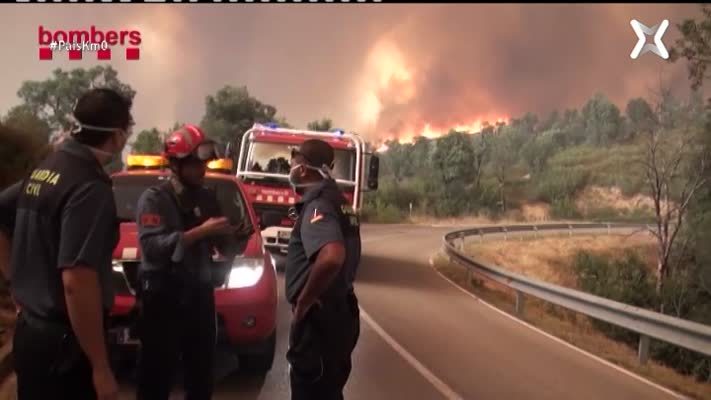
x: 642, y: 32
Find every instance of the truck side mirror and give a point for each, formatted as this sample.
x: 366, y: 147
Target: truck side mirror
x: 269, y: 219
x: 373, y: 169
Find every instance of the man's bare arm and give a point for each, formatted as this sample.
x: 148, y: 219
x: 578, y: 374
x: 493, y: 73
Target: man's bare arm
x: 83, y: 297
x: 324, y: 270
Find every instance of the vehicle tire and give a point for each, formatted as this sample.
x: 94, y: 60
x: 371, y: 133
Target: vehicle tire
x: 260, y: 363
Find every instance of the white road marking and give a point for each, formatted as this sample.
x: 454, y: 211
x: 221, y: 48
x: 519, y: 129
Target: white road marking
x: 438, y: 384
x: 561, y: 341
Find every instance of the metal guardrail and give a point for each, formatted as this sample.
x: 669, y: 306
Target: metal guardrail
x: 647, y: 324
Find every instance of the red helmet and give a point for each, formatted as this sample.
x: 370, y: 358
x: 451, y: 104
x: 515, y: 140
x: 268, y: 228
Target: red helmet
x: 189, y: 141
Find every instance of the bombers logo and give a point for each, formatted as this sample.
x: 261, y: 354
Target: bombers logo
x: 75, y: 42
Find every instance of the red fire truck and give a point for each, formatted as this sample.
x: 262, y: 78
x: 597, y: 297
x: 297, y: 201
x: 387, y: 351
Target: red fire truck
x: 264, y: 164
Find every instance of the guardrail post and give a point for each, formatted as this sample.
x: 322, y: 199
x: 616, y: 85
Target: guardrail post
x: 481, y: 236
x: 570, y: 227
x: 535, y: 231
x: 609, y: 229
x: 520, y: 300
x: 461, y: 242
x: 506, y: 233
x: 643, y: 352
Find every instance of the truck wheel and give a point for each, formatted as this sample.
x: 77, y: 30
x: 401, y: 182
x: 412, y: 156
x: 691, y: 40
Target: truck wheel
x: 262, y: 362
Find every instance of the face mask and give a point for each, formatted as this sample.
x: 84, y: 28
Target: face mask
x: 110, y: 156
x: 294, y: 176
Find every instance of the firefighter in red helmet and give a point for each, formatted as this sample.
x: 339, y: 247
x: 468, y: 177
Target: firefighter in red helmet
x: 180, y: 228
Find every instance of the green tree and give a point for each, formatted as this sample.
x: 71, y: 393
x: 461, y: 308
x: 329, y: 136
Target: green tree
x: 23, y: 119
x: 421, y: 155
x: 537, y: 151
x: 504, y: 155
x: 19, y: 152
x: 398, y: 160
x: 572, y: 127
x: 602, y: 120
x: 231, y: 112
x: 481, y: 152
x: 641, y: 116
x: 283, y: 123
x: 53, y: 99
x: 550, y: 121
x: 323, y: 125
x: 527, y: 124
x: 452, y: 160
x: 694, y: 46
x: 148, y: 141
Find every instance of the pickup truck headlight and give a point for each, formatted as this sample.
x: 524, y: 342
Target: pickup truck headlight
x: 117, y: 266
x: 246, y: 272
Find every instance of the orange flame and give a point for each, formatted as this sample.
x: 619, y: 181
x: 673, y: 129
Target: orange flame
x: 387, y: 69
x: 408, y: 137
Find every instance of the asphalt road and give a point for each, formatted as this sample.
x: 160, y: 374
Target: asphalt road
x: 423, y: 338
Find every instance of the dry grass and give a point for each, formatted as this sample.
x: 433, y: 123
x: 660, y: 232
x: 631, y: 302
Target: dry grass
x: 596, y: 197
x: 529, y: 213
x: 546, y: 259
x: 549, y: 259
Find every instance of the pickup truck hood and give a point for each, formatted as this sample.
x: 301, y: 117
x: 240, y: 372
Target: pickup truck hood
x: 128, y: 248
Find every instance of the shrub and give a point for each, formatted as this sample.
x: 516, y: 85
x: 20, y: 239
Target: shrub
x: 564, y: 209
x: 560, y: 183
x: 626, y: 280
x: 380, y: 212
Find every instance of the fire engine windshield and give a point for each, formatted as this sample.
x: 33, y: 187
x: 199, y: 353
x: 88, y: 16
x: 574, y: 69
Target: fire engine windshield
x: 273, y: 158
x: 127, y: 190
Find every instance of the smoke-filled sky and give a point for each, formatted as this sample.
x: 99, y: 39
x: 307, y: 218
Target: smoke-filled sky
x: 384, y: 70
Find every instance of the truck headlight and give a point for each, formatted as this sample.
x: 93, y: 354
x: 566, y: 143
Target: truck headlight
x: 117, y: 266
x: 245, y: 273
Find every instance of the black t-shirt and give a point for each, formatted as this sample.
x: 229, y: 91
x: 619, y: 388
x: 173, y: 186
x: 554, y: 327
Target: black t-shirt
x: 320, y: 222
x: 65, y: 217
x: 8, y: 207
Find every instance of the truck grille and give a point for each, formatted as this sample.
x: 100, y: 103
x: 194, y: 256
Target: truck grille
x: 127, y: 280
x: 120, y: 284
x: 283, y: 212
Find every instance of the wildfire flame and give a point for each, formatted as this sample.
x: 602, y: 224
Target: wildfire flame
x: 432, y: 133
x: 382, y: 148
x: 388, y: 71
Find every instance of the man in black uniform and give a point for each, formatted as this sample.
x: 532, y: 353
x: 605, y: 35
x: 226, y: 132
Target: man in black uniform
x: 180, y: 226
x: 323, y: 255
x: 63, y: 235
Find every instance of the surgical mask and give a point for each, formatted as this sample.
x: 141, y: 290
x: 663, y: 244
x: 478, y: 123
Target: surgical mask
x: 294, y: 179
x: 110, y: 157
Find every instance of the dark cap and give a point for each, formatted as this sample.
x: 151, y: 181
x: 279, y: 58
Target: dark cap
x: 317, y: 153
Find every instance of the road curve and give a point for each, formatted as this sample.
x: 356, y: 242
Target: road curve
x: 427, y: 339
